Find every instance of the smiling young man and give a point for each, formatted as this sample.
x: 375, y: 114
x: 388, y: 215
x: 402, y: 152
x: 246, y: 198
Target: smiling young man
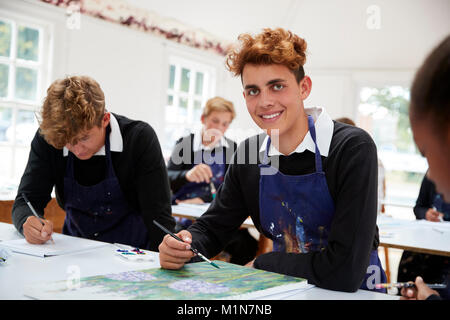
x: 318, y: 203
x: 107, y: 170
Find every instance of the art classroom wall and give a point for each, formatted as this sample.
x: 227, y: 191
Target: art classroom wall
x: 132, y: 66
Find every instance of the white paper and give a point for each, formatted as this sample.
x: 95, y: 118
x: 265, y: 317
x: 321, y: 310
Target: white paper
x: 64, y: 244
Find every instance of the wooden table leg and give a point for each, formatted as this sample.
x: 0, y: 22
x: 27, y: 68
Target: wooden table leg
x: 386, y: 260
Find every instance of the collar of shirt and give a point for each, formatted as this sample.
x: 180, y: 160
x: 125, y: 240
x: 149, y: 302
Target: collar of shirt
x: 197, y: 143
x: 115, y: 139
x: 324, y: 132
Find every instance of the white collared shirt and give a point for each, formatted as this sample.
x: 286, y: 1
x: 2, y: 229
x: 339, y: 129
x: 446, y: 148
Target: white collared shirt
x: 324, y: 133
x: 115, y: 139
x: 197, y: 143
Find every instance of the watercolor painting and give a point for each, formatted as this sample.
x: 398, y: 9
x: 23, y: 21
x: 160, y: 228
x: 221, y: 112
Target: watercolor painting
x: 194, y: 281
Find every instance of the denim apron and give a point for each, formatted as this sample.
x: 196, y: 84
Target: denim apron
x: 193, y: 189
x: 100, y: 212
x: 296, y: 212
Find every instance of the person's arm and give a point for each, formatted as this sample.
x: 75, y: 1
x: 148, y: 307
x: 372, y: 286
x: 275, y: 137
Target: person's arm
x: 37, y: 182
x: 152, y: 185
x: 343, y: 264
x: 215, y: 228
x: 424, y: 200
x: 212, y: 231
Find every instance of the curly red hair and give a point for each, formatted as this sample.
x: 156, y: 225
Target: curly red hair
x: 272, y: 46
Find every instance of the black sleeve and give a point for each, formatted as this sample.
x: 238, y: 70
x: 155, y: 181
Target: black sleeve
x: 152, y: 186
x: 179, y: 164
x: 425, y: 199
x: 343, y: 264
x: 215, y: 228
x: 37, y: 181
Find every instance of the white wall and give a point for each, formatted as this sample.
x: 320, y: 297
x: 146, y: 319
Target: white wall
x: 132, y: 68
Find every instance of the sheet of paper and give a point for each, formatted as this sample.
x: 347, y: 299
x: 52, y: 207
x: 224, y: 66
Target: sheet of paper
x: 63, y: 245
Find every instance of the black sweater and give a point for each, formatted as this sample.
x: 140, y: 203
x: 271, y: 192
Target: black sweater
x: 351, y: 174
x: 182, y: 160
x: 425, y: 200
x: 140, y: 169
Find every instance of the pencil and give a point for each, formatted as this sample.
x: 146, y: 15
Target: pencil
x: 408, y: 285
x: 34, y: 212
x: 179, y: 239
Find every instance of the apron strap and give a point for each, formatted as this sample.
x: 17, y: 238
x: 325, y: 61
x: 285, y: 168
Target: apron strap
x: 265, y: 161
x: 312, y: 131
x: 109, y: 165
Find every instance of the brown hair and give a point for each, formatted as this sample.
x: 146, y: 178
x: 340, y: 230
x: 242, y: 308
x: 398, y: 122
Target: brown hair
x: 272, y: 46
x: 346, y: 120
x: 218, y: 104
x: 430, y: 94
x: 72, y: 105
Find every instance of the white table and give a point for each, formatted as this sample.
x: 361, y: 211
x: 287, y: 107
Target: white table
x: 415, y: 235
x: 194, y: 211
x: 23, y: 269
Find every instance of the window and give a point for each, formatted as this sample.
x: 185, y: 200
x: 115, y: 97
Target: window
x: 383, y: 112
x: 22, y: 71
x: 190, y: 85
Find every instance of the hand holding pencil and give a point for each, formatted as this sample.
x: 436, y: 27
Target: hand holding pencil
x: 35, y: 229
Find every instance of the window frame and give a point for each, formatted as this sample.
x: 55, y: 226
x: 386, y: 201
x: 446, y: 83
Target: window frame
x: 379, y: 80
x: 171, y: 112
x: 43, y: 69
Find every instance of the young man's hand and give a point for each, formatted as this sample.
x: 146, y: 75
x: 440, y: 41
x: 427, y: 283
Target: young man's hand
x: 35, y: 232
x: 173, y: 254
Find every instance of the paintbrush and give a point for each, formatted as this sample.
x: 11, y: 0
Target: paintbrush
x: 213, y: 189
x: 179, y: 239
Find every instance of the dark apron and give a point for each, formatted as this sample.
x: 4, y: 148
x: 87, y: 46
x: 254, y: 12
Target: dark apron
x: 216, y: 161
x: 296, y: 211
x: 100, y: 212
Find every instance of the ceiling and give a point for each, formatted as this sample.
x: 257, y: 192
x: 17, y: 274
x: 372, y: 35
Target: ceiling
x: 337, y: 31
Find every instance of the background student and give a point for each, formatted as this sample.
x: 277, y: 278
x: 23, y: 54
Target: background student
x: 430, y: 205
x: 432, y: 268
x: 108, y: 171
x: 202, y: 158
x: 429, y: 115
x: 381, y: 172
x: 309, y: 184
